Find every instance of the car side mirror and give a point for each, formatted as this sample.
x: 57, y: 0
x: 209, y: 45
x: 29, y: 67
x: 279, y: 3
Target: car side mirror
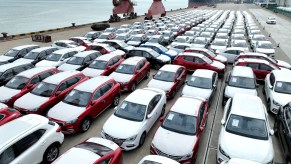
x: 201, y: 128
x: 270, y: 86
x: 58, y: 93
x: 92, y: 103
x: 109, y: 67
x: 222, y: 122
x: 29, y: 86
x: 136, y: 72
x: 271, y: 132
x: 162, y: 119
x: 214, y: 85
x: 149, y: 116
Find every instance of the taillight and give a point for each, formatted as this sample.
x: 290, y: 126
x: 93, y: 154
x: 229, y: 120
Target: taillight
x: 59, y: 129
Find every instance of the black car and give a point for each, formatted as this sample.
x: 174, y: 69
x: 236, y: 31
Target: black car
x: 8, y: 71
x: 118, y: 44
x: 282, y: 129
x: 16, y: 53
x: 157, y: 60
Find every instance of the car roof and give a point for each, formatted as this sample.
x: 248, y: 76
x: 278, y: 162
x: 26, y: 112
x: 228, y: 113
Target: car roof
x: 253, y: 60
x: 203, y: 73
x: 184, y: 37
x: 254, y: 108
x: 24, y: 46
x: 93, y: 83
x: 141, y: 96
x: 5, y: 67
x: 187, y: 105
x: 34, y: 71
x: 93, y: 32
x: 242, y: 71
x: 253, y: 54
x: 107, y: 57
x: 63, y: 51
x: 159, y: 159
x: 138, y: 35
x: 192, y: 54
x: 170, y: 67
x: 282, y: 75
x: 133, y: 60
x: 260, y: 42
x: 20, y: 126
x: 59, y: 77
x: 41, y: 49
x: 85, y: 53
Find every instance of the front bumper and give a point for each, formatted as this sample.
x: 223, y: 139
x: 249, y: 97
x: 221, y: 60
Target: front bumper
x: 67, y: 128
x: 122, y: 143
x: 274, y: 108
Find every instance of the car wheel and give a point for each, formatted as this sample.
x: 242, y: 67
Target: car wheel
x: 51, y: 153
x: 133, y: 86
x: 269, y: 106
x: 116, y: 100
x: 148, y: 74
x: 157, y: 66
x: 85, y: 125
x: 142, y: 139
x: 163, y: 111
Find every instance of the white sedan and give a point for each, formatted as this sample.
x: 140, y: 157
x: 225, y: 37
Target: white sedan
x: 61, y: 44
x: 156, y: 159
x: 134, y: 118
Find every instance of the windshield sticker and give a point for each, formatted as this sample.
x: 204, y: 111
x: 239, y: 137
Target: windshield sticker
x: 120, y: 67
x: 279, y: 84
x: 170, y: 117
x: 235, y: 122
x: 72, y: 93
x: 12, y: 80
x: 193, y: 79
x: 234, y: 79
x: 159, y: 73
x: 39, y: 86
x: 123, y: 105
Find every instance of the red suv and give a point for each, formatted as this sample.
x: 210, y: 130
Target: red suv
x: 7, y: 114
x: 84, y: 103
x: 49, y: 92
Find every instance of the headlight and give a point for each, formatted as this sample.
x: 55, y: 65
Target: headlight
x: 276, y: 103
x: 34, y: 109
x: 71, y: 121
x: 223, y: 152
x: 131, y: 138
x: 188, y: 156
x: 5, y: 101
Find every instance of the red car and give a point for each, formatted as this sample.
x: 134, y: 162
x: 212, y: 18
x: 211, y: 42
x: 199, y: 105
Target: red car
x: 84, y: 103
x: 169, y: 78
x: 7, y: 114
x: 49, y: 92
x: 278, y: 63
x: 131, y: 72
x: 94, y: 150
x: 193, y: 61
x: 103, y: 65
x: 23, y: 83
x: 83, y: 41
x: 106, y: 49
x: 260, y: 67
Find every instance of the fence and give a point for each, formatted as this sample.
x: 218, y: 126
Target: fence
x: 280, y: 11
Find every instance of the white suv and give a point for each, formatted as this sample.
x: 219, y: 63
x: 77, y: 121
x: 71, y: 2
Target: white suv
x: 277, y: 89
x: 245, y: 130
x: 30, y: 139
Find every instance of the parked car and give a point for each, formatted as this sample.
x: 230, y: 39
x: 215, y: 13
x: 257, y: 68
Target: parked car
x: 34, y: 139
x: 139, y: 111
x: 169, y: 78
x: 157, y: 60
x: 111, y: 29
x: 83, y: 41
x: 93, y: 150
x: 271, y: 20
x: 256, y: 38
x: 131, y: 72
x: 57, y: 58
x: 16, y: 53
x: 161, y: 49
x: 157, y: 159
x: 157, y: 39
x: 92, y: 35
x: 118, y: 44
x: 105, y: 49
x: 218, y: 44
x: 202, y: 83
x: 36, y: 55
x: 123, y: 37
x: 84, y: 103
x: 103, y: 65
x: 235, y: 37
x: 177, y: 31
x: 231, y: 53
x: 265, y: 47
x: 208, y: 53
x: 239, y: 161
x: 49, y: 92
x: 246, y: 122
x: 240, y: 44
x: 169, y: 36
x: 240, y: 80
x: 8, y: 71
x: 60, y: 44
x: 7, y: 114
x: 23, y: 83
x: 105, y: 36
x: 137, y: 40
x: 79, y: 61
x: 181, y: 130
x: 183, y: 39
x: 179, y: 47
x: 122, y: 30
x: 200, y: 42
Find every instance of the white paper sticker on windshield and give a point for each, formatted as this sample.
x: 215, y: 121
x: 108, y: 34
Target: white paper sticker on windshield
x: 193, y: 78
x: 279, y: 84
x: 72, y: 93
x: 235, y: 122
x: 123, y: 105
x: 170, y: 117
x: 159, y: 73
x: 40, y: 85
x: 12, y: 80
x: 234, y: 79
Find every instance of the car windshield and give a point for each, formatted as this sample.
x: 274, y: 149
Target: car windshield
x: 11, y: 53
x: 31, y: 55
x: 95, y: 148
x: 200, y: 82
x: 219, y: 43
x: 131, y: 111
x: 44, y: 89
x: 180, y: 40
x: 180, y: 123
x: 154, y: 40
x: 239, y: 44
x: 199, y: 41
x: 120, y: 38
x: 18, y: 82
x: 270, y: 18
x: 98, y: 64
x: 103, y: 36
x: 247, y: 126
x: 88, y: 35
x: 259, y: 38
x: 136, y: 38
x: 283, y: 87
x: 266, y: 46
x: 204, y: 34
x: 165, y: 76
x: 242, y: 82
x: 53, y: 57
x: 238, y: 38
x: 76, y: 61
x: 77, y: 98
x: 125, y: 68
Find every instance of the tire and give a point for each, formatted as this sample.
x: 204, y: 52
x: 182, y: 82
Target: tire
x: 142, y: 139
x: 85, y: 125
x: 148, y: 74
x: 116, y: 100
x: 163, y: 111
x: 157, y: 66
x: 133, y: 86
x: 269, y: 106
x: 51, y: 154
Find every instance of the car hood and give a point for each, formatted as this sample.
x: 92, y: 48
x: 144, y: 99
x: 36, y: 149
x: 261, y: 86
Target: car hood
x: 198, y: 45
x: 218, y: 47
x: 5, y: 58
x: 164, y: 58
x: 92, y: 72
x: 265, y: 51
x: 172, y: 53
x: 30, y: 101
x: 80, y: 48
x: 284, y: 64
x: 8, y: 93
x: 133, y: 43
x: 232, y: 145
x: 221, y: 58
x: 281, y: 98
x: 218, y: 64
x: 47, y: 63
x: 68, y: 67
x: 129, y: 48
x: 194, y: 92
x: 163, y: 85
x: 24, y: 61
x: 73, y: 154
x: 120, y: 77
x: 173, y: 143
x: 230, y: 91
x: 116, y: 127
x: 65, y: 112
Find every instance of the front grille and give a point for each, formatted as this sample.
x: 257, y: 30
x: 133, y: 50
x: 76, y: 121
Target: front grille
x: 115, y: 140
x: 176, y: 158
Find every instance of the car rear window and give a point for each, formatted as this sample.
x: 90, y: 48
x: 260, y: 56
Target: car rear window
x: 2, y: 116
x: 95, y: 148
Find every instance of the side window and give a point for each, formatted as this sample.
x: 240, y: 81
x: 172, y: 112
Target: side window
x: 146, y: 54
x: 63, y: 86
x: 138, y: 66
x: 17, y: 70
x: 142, y: 63
x: 189, y: 58
x: 106, y: 88
x: 201, y: 113
x: 214, y: 77
x: 28, y: 66
x: 110, y: 63
x: 253, y: 65
x: 72, y: 53
x: 92, y: 56
x: 8, y: 155
x: 105, y: 161
x: 198, y: 60
x: 272, y: 79
x: 66, y: 56
x: 180, y: 70
x: 73, y: 81
x: 22, y: 52
x: 97, y: 94
x: 116, y: 59
x: 87, y: 59
x: 42, y: 54
x: 265, y: 67
x: 35, y: 80
x: 46, y: 74
x: 288, y: 118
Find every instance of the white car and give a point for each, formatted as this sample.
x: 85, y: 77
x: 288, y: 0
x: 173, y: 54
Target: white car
x: 179, y: 47
x: 239, y: 161
x: 180, y: 132
x: 231, y: 53
x: 30, y: 139
x: 271, y: 20
x: 265, y: 47
x: 245, y: 132
x: 200, y: 42
x: 218, y: 44
x: 202, y: 83
x: 240, y: 80
x: 257, y: 37
x: 61, y: 44
x: 153, y: 159
x: 277, y: 89
x: 57, y: 58
x: 139, y: 111
x: 240, y: 44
